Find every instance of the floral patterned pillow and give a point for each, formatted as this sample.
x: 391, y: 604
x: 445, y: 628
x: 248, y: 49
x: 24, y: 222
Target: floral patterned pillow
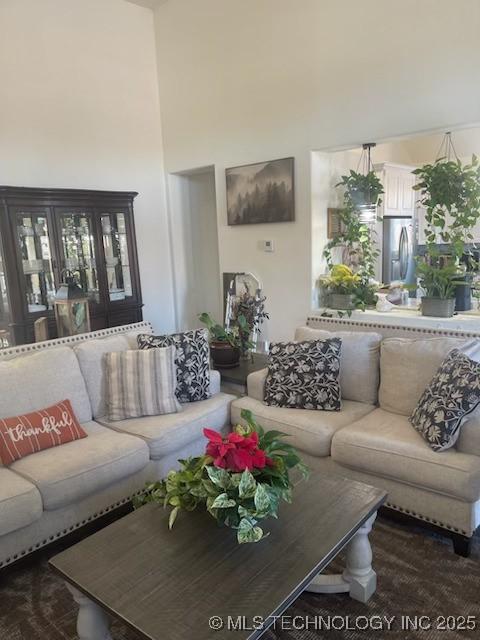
x: 304, y: 375
x: 452, y: 395
x: 192, y: 360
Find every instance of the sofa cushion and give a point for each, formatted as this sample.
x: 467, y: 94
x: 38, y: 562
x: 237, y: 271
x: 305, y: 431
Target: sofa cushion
x: 90, y: 356
x: 53, y: 426
x: 310, y: 430
x: 33, y: 381
x: 304, y: 375
x: 192, y: 361
x: 359, y: 361
x: 384, y: 444
x: 66, y: 474
x: 256, y: 384
x: 452, y: 395
x: 141, y: 383
x: 469, y: 438
x: 400, y: 388
x: 171, y: 432
x: 20, y: 502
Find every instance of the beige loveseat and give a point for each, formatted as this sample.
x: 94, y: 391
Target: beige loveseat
x: 50, y: 493
x: 371, y: 439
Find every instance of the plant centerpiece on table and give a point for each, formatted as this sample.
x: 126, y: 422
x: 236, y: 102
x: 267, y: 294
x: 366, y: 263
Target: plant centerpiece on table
x: 362, y: 196
x: 450, y: 193
x: 248, y: 313
x: 240, y: 480
x: 225, y: 344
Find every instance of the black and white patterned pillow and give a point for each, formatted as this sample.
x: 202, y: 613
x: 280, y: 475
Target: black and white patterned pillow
x: 452, y: 395
x: 192, y: 361
x: 304, y: 375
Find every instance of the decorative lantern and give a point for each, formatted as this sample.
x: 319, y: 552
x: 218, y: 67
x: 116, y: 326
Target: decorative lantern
x: 71, y: 308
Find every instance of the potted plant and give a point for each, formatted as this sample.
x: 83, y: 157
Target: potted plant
x: 341, y: 286
x: 450, y: 193
x: 225, y: 344
x: 438, y: 282
x: 362, y: 190
x: 240, y: 480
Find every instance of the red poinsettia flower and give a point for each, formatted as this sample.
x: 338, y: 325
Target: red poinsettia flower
x: 235, y: 452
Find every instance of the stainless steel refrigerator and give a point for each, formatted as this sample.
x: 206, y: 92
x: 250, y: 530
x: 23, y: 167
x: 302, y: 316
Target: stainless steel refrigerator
x: 399, y: 244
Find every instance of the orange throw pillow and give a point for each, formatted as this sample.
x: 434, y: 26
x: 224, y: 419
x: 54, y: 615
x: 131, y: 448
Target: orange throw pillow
x: 22, y: 435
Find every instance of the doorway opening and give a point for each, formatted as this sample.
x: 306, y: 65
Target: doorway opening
x: 194, y: 242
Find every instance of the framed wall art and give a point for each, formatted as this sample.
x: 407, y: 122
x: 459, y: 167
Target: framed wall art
x: 261, y: 192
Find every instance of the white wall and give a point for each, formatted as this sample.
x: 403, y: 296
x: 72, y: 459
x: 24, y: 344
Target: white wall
x: 261, y: 79
x: 79, y: 108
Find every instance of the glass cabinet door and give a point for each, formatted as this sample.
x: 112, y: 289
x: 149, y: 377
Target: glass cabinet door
x: 4, y: 305
x: 34, y: 238
x: 117, y: 261
x: 78, y: 249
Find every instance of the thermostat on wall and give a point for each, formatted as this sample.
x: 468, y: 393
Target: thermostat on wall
x: 268, y: 245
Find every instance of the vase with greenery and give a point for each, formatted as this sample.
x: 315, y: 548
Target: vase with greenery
x: 240, y: 480
x: 248, y: 313
x: 225, y: 344
x: 450, y: 194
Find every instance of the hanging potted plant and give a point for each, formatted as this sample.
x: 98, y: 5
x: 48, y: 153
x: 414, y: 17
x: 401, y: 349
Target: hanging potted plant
x: 450, y: 193
x: 362, y: 192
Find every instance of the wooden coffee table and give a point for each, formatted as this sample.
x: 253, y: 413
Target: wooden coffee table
x: 197, y: 582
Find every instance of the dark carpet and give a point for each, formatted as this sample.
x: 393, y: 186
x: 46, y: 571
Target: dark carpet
x: 418, y: 576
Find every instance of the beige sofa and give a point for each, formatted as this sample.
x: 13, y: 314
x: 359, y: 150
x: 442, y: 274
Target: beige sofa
x: 371, y: 439
x: 50, y: 493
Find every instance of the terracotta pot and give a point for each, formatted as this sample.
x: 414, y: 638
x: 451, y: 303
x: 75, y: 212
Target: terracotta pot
x: 438, y: 307
x: 224, y: 356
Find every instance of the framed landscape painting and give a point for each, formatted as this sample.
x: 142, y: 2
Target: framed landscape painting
x: 261, y: 192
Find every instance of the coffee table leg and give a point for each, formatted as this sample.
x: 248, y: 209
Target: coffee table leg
x: 358, y: 579
x: 92, y: 621
x: 359, y: 573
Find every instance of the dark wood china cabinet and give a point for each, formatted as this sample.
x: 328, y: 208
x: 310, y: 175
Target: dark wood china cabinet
x: 44, y: 232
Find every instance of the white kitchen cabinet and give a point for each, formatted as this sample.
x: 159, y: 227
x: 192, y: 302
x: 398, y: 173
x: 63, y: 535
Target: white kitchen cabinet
x: 399, y: 197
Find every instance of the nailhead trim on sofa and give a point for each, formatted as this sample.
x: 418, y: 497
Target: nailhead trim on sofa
x: 332, y: 324
x: 73, y: 527
x: 7, y: 354
x: 408, y: 512
x: 11, y: 352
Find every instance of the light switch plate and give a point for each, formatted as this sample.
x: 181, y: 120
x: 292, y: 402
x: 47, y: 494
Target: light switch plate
x: 268, y: 246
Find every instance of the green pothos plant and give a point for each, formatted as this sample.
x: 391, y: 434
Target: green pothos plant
x: 450, y: 193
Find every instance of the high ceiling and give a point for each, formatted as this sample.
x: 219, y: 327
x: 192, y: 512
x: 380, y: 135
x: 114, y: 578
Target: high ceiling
x: 151, y: 4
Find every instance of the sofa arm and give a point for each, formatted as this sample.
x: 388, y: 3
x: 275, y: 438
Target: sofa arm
x: 256, y: 383
x: 469, y: 438
x: 214, y: 382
